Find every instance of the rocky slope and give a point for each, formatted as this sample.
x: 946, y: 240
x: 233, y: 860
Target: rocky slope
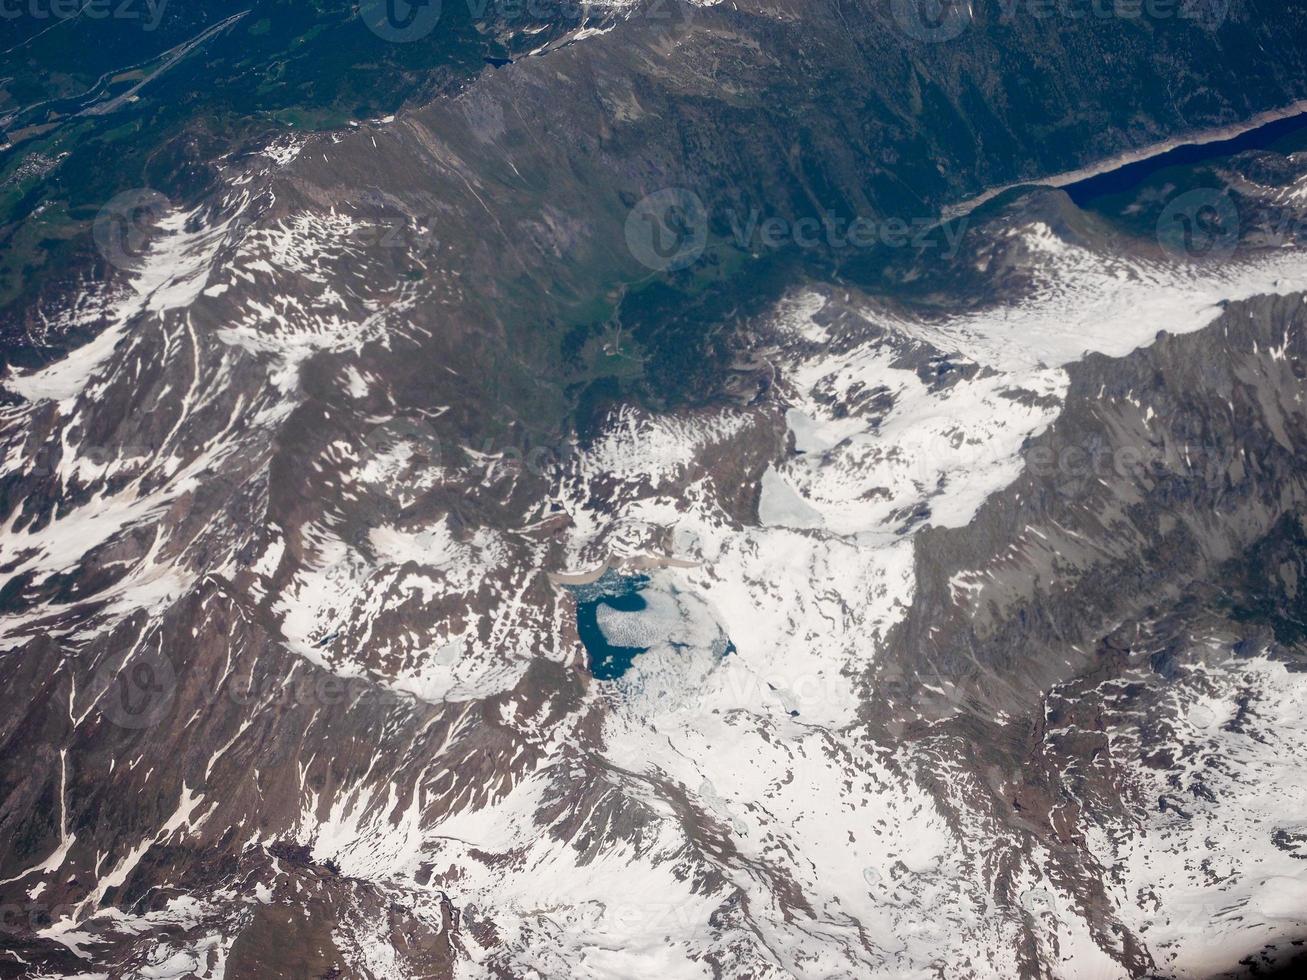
x: 929, y: 687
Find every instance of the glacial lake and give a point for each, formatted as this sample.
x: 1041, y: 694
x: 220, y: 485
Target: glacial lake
x: 607, y: 661
x: 620, y: 618
x: 1127, y: 178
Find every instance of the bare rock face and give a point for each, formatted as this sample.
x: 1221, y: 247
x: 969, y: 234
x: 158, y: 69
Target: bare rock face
x: 958, y: 567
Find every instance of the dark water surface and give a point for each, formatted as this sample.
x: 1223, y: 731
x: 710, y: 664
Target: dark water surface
x: 607, y: 662
x: 1126, y: 178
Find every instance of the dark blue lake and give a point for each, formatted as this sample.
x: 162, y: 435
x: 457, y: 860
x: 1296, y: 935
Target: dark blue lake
x: 1130, y: 176
x: 606, y: 661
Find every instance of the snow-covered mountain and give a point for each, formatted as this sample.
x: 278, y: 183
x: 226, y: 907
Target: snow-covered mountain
x: 952, y: 583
